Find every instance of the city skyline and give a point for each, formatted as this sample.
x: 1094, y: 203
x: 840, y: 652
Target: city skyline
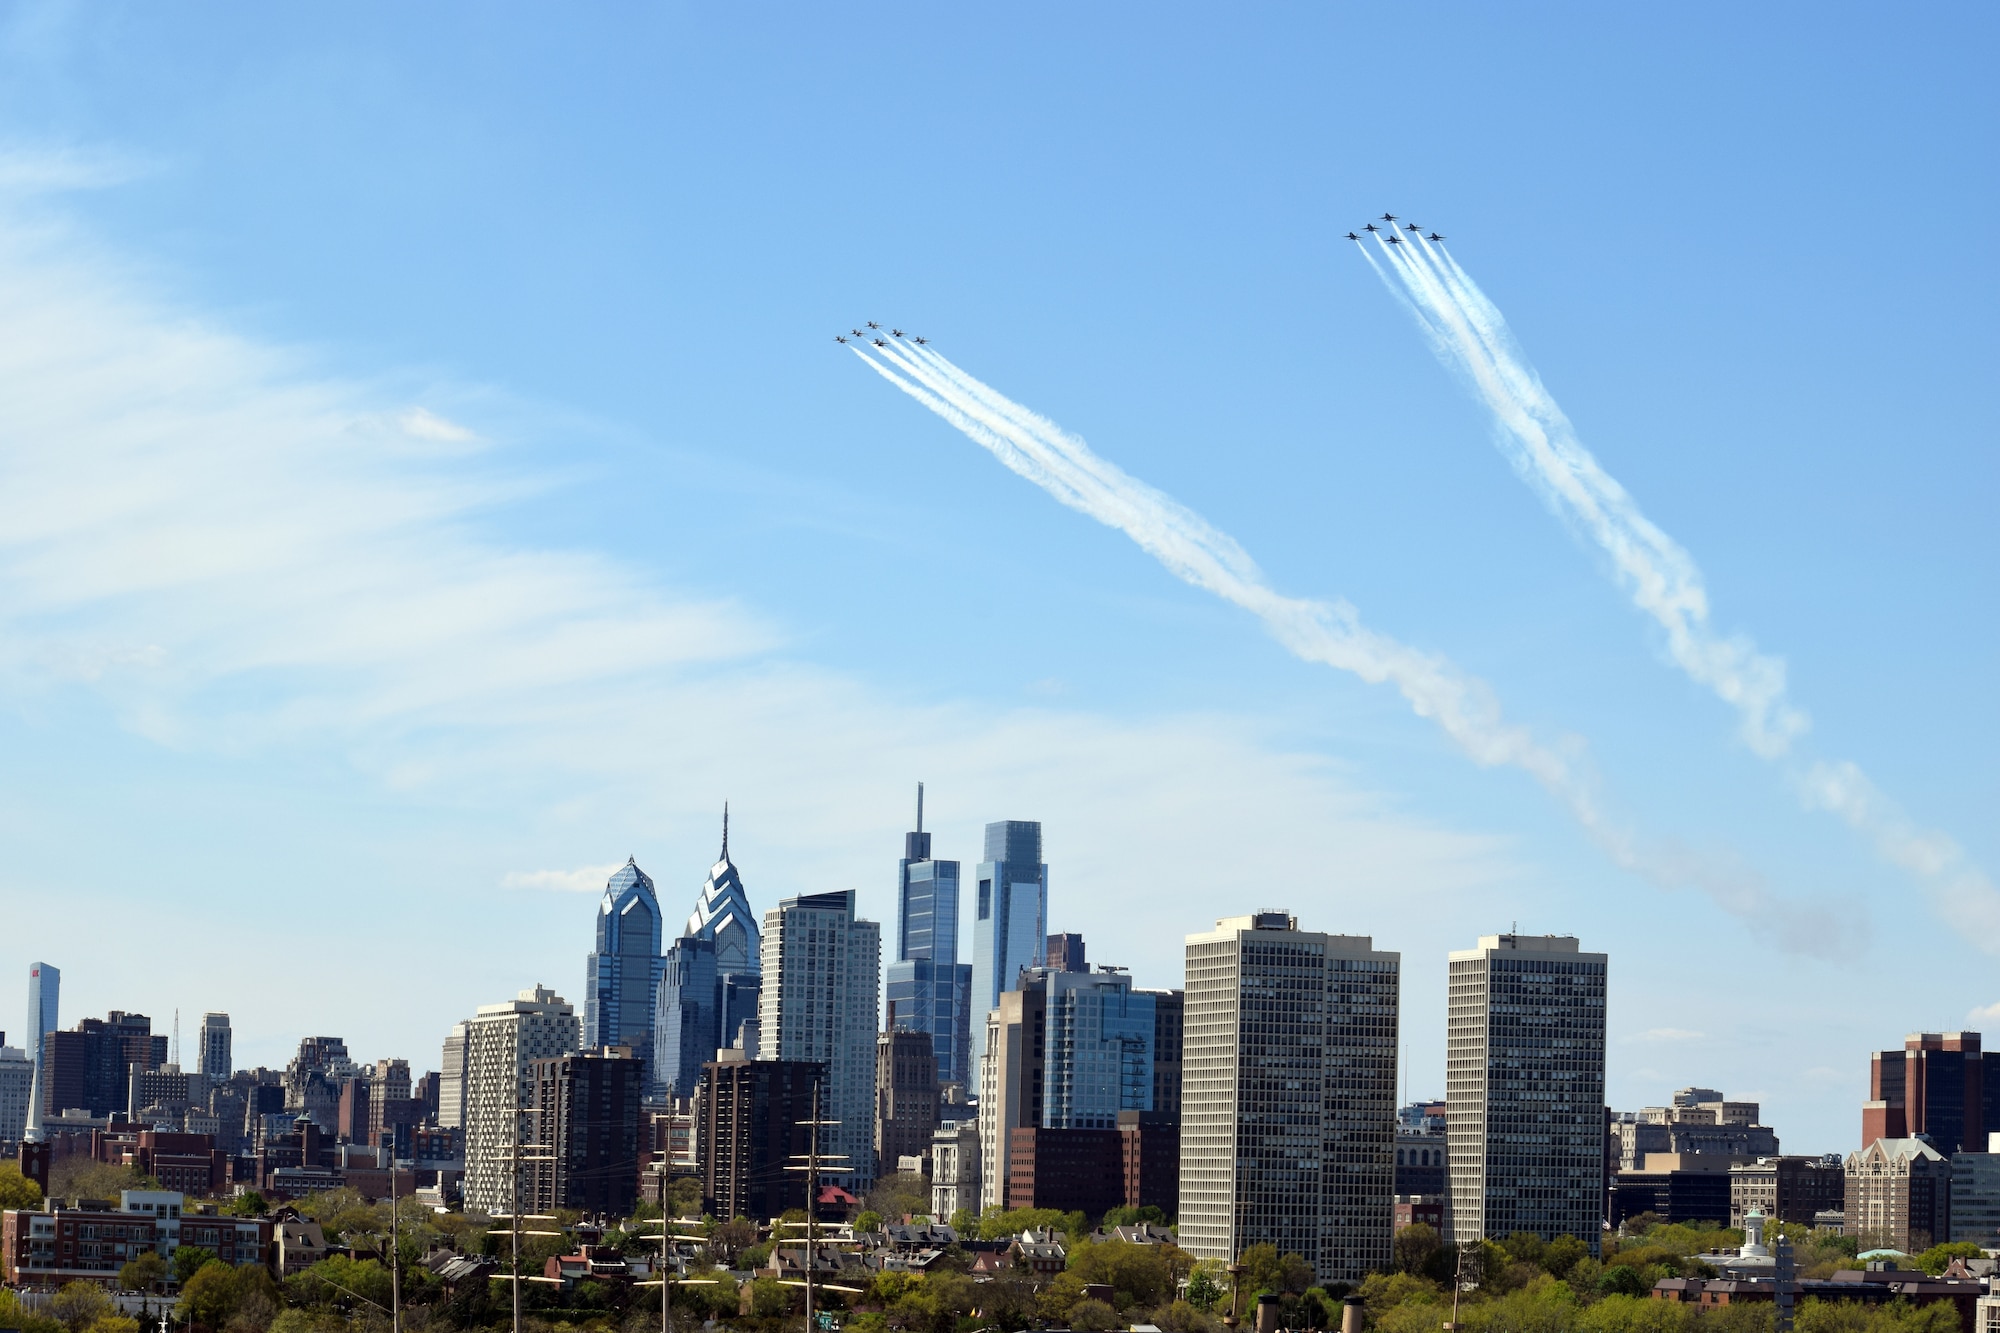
x: 393, y: 520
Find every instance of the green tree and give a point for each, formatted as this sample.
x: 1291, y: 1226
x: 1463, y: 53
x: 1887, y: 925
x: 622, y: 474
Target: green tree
x: 114, y: 1323
x: 901, y: 1194
x: 869, y: 1220
x: 770, y: 1298
x: 16, y: 1190
x: 12, y: 1315
x: 1184, y: 1317
x: 1093, y: 1316
x: 1204, y: 1287
x: 1143, y: 1275
x: 143, y: 1273
x: 966, y: 1223
x: 188, y: 1260
x: 1938, y: 1257
x: 1415, y: 1246
x: 1264, y: 1269
x: 1560, y: 1255
x: 87, y: 1178
x: 998, y: 1223
x: 79, y: 1305
x: 1623, y: 1280
x: 251, y: 1204
x: 684, y: 1196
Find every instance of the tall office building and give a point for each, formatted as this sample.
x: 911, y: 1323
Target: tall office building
x: 587, y: 1121
x: 503, y: 1041
x: 822, y: 973
x: 1288, y: 1095
x: 622, y: 989
x: 451, y: 1080
x: 1012, y: 1078
x: 17, y: 1085
x: 89, y: 1067
x: 906, y: 1098
x: 1524, y: 1089
x: 711, y: 979
x: 1010, y: 925
x: 1940, y: 1085
x: 215, y: 1057
x: 44, y: 1005
x: 754, y: 1128
x: 928, y: 989
x: 1169, y: 1009
x: 1098, y: 1057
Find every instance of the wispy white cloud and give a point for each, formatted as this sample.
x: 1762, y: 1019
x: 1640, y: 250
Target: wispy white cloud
x: 583, y: 879
x: 31, y: 169
x: 1656, y: 1036
x: 1988, y: 1013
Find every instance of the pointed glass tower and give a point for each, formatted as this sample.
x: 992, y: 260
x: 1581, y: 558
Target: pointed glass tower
x: 623, y: 986
x: 712, y: 977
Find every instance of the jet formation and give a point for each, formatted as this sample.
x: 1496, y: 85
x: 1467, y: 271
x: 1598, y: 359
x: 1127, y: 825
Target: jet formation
x: 878, y: 341
x: 1392, y: 238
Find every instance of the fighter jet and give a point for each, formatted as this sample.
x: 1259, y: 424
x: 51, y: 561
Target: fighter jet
x: 1352, y: 237
x: 1395, y: 240
x: 873, y: 325
x: 1435, y: 237
x: 919, y: 341
x: 1411, y: 226
x: 1371, y: 227
x: 896, y: 333
x: 1388, y: 217
x: 880, y: 343
x: 839, y: 338
x: 855, y: 332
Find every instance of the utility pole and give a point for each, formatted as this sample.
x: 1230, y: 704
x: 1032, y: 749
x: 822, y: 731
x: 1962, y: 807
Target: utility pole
x: 814, y: 1160
x: 395, y: 1248
x: 515, y: 1218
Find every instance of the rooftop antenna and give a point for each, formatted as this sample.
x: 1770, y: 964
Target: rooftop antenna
x: 920, y: 807
x: 177, y: 1036
x: 725, y: 830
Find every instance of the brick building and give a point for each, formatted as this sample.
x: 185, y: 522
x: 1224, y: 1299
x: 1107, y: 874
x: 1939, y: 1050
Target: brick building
x: 751, y: 1127
x: 1898, y: 1195
x: 52, y: 1246
x: 1940, y: 1085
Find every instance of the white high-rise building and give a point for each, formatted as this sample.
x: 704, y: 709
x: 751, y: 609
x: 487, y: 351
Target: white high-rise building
x: 822, y: 974
x: 1524, y: 1089
x: 451, y: 1079
x: 1288, y: 1095
x: 215, y: 1057
x: 502, y: 1042
x: 17, y: 1084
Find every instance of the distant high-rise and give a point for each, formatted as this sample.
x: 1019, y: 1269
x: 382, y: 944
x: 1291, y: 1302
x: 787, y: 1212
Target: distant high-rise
x: 1524, y: 1089
x: 754, y: 1129
x: 1012, y: 1078
x: 44, y: 1004
x: 503, y: 1041
x: 1940, y: 1085
x: 622, y: 990
x: 214, y: 1058
x: 17, y: 1084
x: 1098, y: 1057
x: 1169, y: 1009
x: 928, y: 989
x: 1288, y: 1098
x: 89, y: 1067
x: 587, y: 1116
x: 822, y: 973
x: 710, y: 981
x: 906, y: 1097
x: 1010, y: 925
x: 451, y: 1080
x: 1066, y: 953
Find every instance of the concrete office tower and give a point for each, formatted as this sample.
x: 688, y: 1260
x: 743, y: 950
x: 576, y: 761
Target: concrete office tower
x: 929, y: 990
x: 711, y: 979
x: 1098, y: 1051
x: 906, y: 1098
x: 1011, y: 1080
x: 822, y: 973
x: 502, y: 1043
x: 451, y: 1080
x: 1524, y: 1089
x: 44, y: 1003
x: 1288, y: 1095
x: 17, y: 1085
x: 214, y: 1060
x: 1010, y: 925
x: 622, y: 989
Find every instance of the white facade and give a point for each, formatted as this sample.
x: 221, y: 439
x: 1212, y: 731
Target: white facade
x: 1288, y: 1095
x: 822, y: 975
x: 502, y: 1041
x: 216, y: 1055
x: 1524, y: 1088
x: 955, y: 1166
x: 17, y: 1083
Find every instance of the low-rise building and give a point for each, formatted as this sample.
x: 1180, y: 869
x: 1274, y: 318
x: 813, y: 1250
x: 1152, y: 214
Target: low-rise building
x: 1790, y: 1189
x: 1676, y: 1187
x: 955, y: 1164
x: 91, y: 1241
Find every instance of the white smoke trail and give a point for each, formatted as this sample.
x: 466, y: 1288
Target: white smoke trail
x: 1327, y: 633
x: 1472, y: 338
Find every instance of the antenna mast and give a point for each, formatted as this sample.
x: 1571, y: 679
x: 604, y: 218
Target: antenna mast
x: 920, y: 807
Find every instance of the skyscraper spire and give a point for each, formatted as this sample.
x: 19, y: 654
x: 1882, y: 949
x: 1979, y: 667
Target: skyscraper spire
x: 725, y: 830
x: 920, y: 807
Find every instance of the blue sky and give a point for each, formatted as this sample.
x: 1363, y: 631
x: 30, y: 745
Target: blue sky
x: 426, y: 479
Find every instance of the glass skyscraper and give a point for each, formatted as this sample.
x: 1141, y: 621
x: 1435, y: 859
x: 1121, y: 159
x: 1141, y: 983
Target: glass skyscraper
x: 1010, y: 927
x: 622, y: 989
x: 712, y: 978
x: 44, y: 1002
x: 929, y: 990
x: 1098, y: 1052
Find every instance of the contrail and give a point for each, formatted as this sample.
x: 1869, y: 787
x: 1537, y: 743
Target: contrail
x: 1471, y: 337
x: 1330, y: 633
